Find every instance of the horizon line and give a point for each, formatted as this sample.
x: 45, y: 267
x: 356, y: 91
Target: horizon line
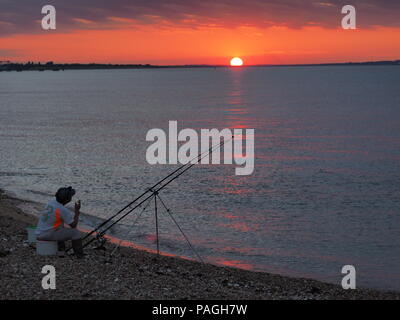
x: 50, y: 63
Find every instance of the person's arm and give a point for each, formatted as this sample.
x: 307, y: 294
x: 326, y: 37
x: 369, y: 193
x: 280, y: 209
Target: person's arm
x: 77, y: 213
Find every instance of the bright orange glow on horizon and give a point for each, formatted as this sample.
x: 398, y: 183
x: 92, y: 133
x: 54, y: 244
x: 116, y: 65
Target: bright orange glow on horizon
x: 205, y: 45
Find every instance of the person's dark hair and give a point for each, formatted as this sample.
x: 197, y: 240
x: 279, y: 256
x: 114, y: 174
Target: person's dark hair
x: 64, y: 195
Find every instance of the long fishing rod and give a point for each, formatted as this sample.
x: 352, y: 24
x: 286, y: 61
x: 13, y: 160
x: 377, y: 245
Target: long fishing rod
x: 132, y: 202
x: 153, y: 192
x: 147, y: 191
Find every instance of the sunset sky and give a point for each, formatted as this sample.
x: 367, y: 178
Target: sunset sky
x: 199, y: 32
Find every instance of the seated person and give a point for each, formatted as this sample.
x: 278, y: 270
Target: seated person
x: 51, y: 222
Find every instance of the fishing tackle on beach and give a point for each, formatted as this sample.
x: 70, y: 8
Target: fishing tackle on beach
x: 148, y: 195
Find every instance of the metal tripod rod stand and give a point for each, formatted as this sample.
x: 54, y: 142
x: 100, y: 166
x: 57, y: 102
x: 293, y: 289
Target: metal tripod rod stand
x: 167, y: 210
x: 155, y: 194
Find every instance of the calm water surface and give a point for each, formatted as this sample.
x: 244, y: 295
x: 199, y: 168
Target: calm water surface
x: 326, y: 187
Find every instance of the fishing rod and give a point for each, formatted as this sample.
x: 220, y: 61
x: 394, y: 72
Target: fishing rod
x: 149, y: 189
x: 132, y: 202
x: 153, y: 190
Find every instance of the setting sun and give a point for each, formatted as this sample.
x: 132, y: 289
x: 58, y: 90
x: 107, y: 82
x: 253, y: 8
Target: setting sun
x: 236, y: 62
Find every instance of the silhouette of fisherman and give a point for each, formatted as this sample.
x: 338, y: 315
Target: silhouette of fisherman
x: 51, y: 222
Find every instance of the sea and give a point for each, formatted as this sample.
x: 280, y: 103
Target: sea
x: 324, y: 193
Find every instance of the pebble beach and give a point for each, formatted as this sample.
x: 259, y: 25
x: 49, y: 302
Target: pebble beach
x: 137, y: 274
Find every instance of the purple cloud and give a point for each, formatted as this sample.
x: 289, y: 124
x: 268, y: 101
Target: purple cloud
x: 23, y: 16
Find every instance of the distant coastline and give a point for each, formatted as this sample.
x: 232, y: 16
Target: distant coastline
x: 51, y: 66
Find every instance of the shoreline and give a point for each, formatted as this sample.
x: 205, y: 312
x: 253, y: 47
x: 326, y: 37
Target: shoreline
x: 24, y: 204
x: 51, y: 66
x: 135, y: 273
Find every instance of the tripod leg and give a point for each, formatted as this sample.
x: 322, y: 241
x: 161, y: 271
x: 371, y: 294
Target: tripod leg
x: 176, y: 223
x: 133, y: 224
x: 156, y: 214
